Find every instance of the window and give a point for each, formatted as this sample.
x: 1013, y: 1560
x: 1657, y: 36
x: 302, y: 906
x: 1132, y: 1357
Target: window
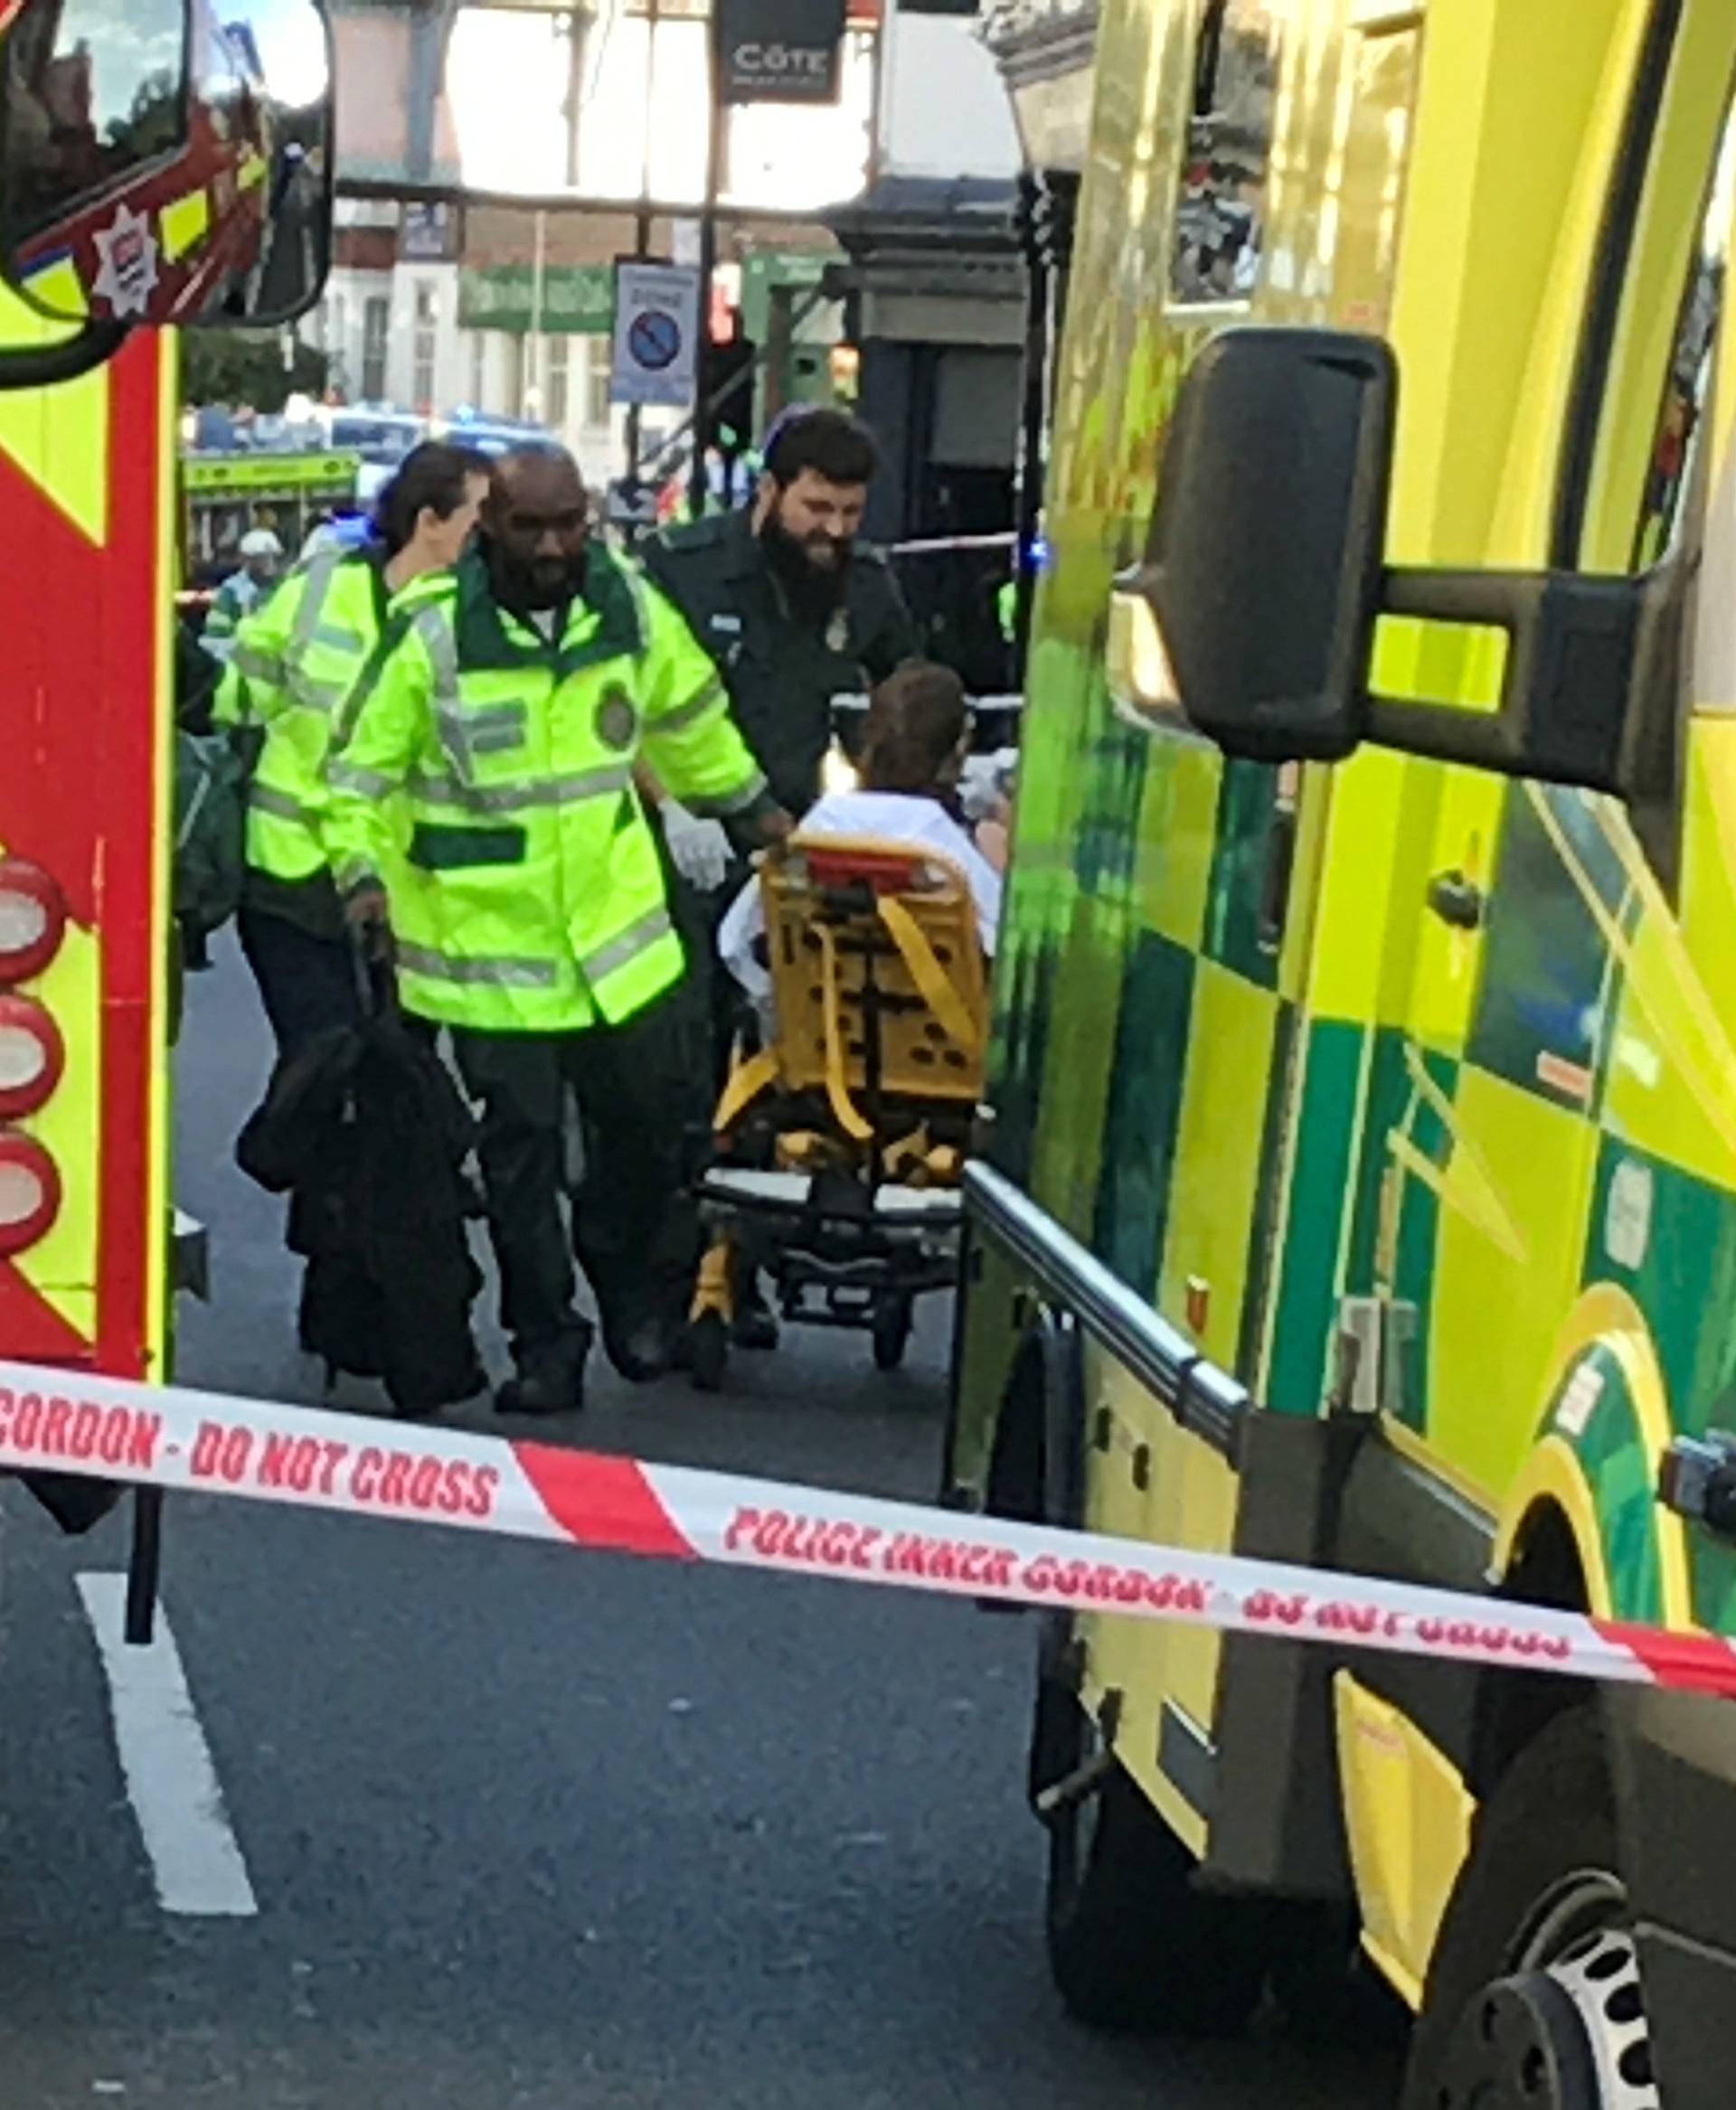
x: 1221, y: 206
x: 1682, y: 414
x: 556, y: 352
x: 1676, y: 529
x: 598, y: 378
x: 427, y: 325
x: 376, y: 331
x: 95, y: 89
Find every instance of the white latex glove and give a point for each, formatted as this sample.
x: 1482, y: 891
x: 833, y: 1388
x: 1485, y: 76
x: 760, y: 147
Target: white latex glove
x: 701, y: 849
x: 984, y: 782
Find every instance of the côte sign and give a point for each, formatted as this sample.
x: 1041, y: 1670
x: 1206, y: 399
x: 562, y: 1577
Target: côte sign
x: 780, y: 50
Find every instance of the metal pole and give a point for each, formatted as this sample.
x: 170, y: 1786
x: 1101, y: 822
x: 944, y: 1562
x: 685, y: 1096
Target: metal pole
x: 1038, y: 353
x: 717, y: 136
x: 642, y: 219
x: 534, y: 364
x: 577, y: 27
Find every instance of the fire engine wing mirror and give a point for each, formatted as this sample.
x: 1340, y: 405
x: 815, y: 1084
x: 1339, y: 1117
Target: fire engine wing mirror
x: 1264, y: 564
x: 166, y: 161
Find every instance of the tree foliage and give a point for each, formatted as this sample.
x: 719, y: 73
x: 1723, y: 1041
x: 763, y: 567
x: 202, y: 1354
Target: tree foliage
x: 246, y: 366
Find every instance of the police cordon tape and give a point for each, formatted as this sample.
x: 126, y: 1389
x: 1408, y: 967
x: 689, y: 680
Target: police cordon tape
x: 204, y: 1442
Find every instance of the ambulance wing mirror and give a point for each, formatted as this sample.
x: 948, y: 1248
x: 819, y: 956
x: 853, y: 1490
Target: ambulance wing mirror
x: 166, y: 161
x: 1263, y: 568
x: 1549, y: 671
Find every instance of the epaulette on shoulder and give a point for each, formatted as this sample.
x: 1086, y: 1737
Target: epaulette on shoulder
x: 696, y: 534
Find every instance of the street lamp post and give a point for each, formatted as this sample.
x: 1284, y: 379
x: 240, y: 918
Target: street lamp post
x: 716, y: 147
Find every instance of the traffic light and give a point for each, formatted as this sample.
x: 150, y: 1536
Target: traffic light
x: 726, y: 391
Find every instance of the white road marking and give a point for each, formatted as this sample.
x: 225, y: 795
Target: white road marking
x: 195, y: 1858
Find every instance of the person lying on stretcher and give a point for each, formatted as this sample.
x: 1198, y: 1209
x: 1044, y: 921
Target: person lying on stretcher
x: 913, y: 749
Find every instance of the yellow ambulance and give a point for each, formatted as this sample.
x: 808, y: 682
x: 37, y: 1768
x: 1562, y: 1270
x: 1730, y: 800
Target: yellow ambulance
x: 1358, y: 1175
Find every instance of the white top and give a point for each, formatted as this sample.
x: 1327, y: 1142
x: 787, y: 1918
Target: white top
x: 867, y: 816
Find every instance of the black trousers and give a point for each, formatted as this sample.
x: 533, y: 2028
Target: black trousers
x: 644, y: 1117
x: 719, y: 1009
x: 307, y: 984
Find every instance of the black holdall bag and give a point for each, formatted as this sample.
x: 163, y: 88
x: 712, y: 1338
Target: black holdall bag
x: 367, y: 1134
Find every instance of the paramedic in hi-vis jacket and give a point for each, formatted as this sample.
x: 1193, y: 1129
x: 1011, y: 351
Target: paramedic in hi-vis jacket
x: 292, y: 668
x: 530, y: 917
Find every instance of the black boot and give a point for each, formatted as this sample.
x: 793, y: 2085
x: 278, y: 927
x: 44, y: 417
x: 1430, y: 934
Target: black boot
x: 551, y: 1378
x: 638, y: 1343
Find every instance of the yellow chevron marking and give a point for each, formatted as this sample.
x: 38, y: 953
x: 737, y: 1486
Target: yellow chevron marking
x: 185, y: 223
x: 1664, y: 982
x: 59, y: 288
x: 1464, y: 1184
x: 58, y: 437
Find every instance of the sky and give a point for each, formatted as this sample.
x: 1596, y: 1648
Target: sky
x: 507, y: 81
x: 291, y: 43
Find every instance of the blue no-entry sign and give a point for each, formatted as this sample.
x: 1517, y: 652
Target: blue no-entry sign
x: 656, y: 334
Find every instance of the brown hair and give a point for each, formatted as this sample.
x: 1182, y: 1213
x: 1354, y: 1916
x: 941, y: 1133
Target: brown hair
x: 915, y: 719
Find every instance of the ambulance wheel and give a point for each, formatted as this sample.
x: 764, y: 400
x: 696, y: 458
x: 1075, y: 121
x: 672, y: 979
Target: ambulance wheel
x: 893, y: 1313
x: 1534, y: 2000
x: 708, y: 1351
x: 1133, y: 1946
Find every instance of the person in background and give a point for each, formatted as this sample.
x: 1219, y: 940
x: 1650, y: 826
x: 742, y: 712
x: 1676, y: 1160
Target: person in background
x: 243, y: 592
x: 530, y: 917
x: 292, y: 669
x: 795, y: 609
x: 913, y: 749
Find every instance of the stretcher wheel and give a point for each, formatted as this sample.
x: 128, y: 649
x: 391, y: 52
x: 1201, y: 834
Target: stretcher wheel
x: 708, y: 1351
x: 892, y: 1317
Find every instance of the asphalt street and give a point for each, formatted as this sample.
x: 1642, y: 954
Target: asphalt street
x: 511, y: 1828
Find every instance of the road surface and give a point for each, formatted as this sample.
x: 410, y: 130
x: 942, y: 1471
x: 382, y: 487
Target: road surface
x: 436, y: 1821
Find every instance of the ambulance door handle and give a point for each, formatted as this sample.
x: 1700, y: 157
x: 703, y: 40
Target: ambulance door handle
x: 1457, y: 901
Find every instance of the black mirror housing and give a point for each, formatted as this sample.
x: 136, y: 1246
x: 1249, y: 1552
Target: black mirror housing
x: 1265, y: 562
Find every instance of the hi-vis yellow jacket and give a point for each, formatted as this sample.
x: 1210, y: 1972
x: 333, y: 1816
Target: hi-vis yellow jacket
x: 532, y: 899
x: 293, y: 664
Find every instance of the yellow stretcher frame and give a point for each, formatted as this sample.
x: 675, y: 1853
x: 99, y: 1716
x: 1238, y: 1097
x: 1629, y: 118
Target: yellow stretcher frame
x: 859, y: 1108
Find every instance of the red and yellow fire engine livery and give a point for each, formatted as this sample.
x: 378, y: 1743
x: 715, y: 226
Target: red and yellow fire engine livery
x: 161, y: 215
x: 86, y: 584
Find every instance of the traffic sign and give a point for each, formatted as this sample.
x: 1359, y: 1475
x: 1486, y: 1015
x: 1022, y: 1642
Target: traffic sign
x: 656, y: 334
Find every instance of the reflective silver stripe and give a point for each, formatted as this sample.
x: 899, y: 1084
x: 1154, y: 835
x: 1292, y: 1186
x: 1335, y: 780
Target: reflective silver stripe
x: 256, y: 665
x: 319, y: 575
x: 339, y: 637
x: 327, y: 694
x: 496, y: 726
x: 365, y: 783
x: 263, y: 798
x: 636, y: 586
x: 511, y: 798
x: 491, y: 974
x: 736, y: 802
x: 432, y: 627
x: 708, y: 699
x: 621, y: 952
